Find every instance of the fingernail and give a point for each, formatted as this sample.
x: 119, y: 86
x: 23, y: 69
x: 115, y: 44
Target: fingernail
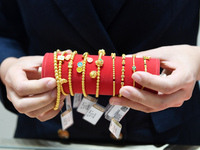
x: 51, y: 84
x: 115, y: 102
x: 125, y: 93
x: 136, y: 77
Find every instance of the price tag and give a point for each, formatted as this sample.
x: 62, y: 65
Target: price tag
x: 108, y: 107
x: 115, y: 128
x: 94, y: 114
x: 117, y: 112
x: 85, y: 104
x: 77, y: 100
x: 68, y: 102
x: 67, y: 119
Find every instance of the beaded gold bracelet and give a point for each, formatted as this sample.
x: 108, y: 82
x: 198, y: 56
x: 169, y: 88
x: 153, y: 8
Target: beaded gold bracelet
x: 123, y: 71
x: 145, y: 58
x: 99, y: 64
x: 83, y: 73
x: 113, y: 55
x: 70, y: 66
x: 61, y: 59
x: 134, y: 67
x: 58, y: 74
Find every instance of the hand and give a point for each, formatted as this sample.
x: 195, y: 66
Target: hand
x: 181, y: 64
x: 30, y: 94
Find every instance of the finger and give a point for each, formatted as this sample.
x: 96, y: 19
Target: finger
x: 31, y: 67
x: 151, y: 100
x: 32, y: 62
x: 159, y: 53
x: 166, y: 85
x: 50, y: 114
x: 45, y: 109
x: 25, y: 71
x: 129, y: 103
x: 24, y: 87
x: 31, y: 103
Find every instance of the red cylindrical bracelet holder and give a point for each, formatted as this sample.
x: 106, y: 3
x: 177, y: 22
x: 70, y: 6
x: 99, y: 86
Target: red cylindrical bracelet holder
x: 106, y: 73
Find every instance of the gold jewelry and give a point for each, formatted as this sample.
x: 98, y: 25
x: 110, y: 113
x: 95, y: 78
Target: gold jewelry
x: 145, y: 58
x: 83, y: 73
x: 134, y: 67
x: 113, y: 55
x: 68, y: 57
x: 58, y: 74
x: 93, y: 74
x: 79, y: 69
x: 90, y: 60
x: 70, y: 66
x: 123, y: 71
x: 99, y: 64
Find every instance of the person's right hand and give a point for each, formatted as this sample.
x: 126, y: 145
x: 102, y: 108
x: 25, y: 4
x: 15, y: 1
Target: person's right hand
x: 30, y: 94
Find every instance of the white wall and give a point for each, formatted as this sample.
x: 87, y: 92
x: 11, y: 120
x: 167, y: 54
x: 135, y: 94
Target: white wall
x: 7, y: 123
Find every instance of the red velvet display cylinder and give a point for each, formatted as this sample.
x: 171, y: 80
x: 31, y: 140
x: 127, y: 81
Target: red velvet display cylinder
x: 106, y: 73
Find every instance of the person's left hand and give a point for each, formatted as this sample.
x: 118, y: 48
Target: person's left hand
x: 182, y: 66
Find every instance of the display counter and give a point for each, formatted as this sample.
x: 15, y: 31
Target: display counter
x: 23, y: 144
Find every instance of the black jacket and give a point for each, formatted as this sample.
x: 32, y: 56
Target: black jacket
x: 29, y: 27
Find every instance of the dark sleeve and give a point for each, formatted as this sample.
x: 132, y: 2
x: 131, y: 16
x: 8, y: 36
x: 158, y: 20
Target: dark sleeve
x: 13, y: 39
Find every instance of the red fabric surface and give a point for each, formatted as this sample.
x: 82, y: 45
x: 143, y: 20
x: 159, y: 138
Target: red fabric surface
x: 106, y: 76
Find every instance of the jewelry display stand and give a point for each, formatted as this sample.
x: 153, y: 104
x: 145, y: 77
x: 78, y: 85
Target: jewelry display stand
x: 106, y: 72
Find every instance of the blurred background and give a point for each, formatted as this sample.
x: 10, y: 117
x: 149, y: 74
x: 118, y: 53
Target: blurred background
x: 8, y: 122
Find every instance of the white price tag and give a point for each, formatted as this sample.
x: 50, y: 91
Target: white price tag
x: 115, y: 128
x: 67, y: 119
x: 68, y: 102
x: 117, y: 112
x: 85, y: 104
x: 77, y: 100
x: 94, y: 114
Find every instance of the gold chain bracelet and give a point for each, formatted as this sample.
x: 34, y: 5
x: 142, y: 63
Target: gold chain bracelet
x: 83, y: 73
x: 99, y: 64
x: 134, y: 67
x: 70, y: 66
x: 123, y: 71
x: 58, y: 76
x: 145, y: 58
x: 113, y: 55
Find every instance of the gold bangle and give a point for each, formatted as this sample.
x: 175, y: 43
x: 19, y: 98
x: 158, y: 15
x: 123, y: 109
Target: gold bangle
x: 58, y: 74
x: 145, y: 58
x: 134, y: 67
x: 83, y: 73
x: 113, y: 55
x: 70, y: 66
x: 99, y: 64
x: 123, y: 71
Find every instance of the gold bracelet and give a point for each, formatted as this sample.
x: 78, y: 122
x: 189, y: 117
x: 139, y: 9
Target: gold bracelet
x: 123, y: 71
x: 61, y: 59
x: 134, y: 67
x: 113, y: 55
x: 145, y: 58
x: 83, y: 73
x: 58, y: 74
x: 70, y: 66
x: 99, y: 64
